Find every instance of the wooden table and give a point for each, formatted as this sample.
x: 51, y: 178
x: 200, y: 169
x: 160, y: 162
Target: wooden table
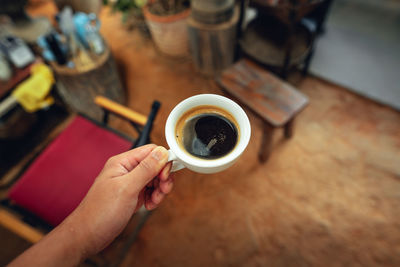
x: 276, y: 102
x: 18, y: 76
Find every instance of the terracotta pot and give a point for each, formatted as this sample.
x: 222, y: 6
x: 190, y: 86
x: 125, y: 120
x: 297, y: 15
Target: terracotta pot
x: 169, y: 32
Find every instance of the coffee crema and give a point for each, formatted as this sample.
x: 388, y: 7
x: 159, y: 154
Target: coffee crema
x: 207, y: 132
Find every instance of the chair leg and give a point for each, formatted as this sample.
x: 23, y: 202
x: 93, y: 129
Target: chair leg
x: 288, y: 128
x: 324, y: 10
x: 286, y: 62
x: 310, y: 54
x: 307, y: 62
x: 266, y: 142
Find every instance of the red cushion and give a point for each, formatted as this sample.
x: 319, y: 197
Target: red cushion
x: 61, y: 175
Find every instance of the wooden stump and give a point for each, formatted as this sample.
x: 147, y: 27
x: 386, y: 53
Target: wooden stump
x: 79, y: 88
x: 213, y: 45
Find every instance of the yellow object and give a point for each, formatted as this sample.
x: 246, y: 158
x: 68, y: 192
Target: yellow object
x: 32, y: 94
x: 120, y: 110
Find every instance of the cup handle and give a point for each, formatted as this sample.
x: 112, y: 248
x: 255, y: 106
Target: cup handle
x: 176, y: 165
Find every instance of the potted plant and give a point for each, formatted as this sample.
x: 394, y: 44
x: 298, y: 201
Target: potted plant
x: 166, y: 20
x: 132, y: 14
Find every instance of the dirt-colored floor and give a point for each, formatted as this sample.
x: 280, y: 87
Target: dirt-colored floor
x: 330, y: 196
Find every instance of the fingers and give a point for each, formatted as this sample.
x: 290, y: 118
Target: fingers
x: 148, y: 168
x: 130, y: 159
x: 165, y: 172
x: 155, y: 195
x: 154, y: 199
x: 166, y: 186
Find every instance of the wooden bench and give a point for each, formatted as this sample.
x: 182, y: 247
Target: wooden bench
x: 276, y: 102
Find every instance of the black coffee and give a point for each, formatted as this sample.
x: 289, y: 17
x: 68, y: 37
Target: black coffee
x: 209, y: 136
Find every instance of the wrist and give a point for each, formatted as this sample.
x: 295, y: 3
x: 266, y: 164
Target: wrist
x: 72, y: 239
x: 75, y: 239
x: 61, y: 247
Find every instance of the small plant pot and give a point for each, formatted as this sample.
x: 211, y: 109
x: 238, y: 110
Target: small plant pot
x: 169, y: 32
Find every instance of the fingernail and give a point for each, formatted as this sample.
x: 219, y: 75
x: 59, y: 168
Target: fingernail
x: 159, y: 153
x: 168, y: 169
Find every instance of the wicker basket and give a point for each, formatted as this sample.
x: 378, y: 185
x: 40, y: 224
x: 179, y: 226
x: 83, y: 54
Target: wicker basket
x: 78, y: 88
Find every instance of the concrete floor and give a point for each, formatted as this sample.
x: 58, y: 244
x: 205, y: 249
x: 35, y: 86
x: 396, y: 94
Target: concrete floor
x: 330, y: 196
x: 360, y: 49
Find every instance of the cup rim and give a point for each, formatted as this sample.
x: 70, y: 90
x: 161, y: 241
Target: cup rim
x: 203, y: 99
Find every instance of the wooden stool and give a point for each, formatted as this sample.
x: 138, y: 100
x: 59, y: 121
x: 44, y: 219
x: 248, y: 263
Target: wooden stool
x: 275, y: 101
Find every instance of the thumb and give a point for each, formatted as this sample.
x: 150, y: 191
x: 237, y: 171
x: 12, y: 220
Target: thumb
x: 148, y: 168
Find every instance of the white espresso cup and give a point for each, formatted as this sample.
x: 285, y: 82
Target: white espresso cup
x: 182, y: 158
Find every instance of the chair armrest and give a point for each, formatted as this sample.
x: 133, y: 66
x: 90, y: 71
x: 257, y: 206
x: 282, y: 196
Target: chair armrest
x: 120, y: 110
x: 15, y: 225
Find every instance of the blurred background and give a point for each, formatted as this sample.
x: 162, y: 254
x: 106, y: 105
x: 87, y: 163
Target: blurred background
x: 319, y: 183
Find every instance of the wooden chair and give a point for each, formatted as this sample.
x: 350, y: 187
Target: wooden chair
x: 283, y: 35
x: 58, y: 179
x: 276, y: 102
